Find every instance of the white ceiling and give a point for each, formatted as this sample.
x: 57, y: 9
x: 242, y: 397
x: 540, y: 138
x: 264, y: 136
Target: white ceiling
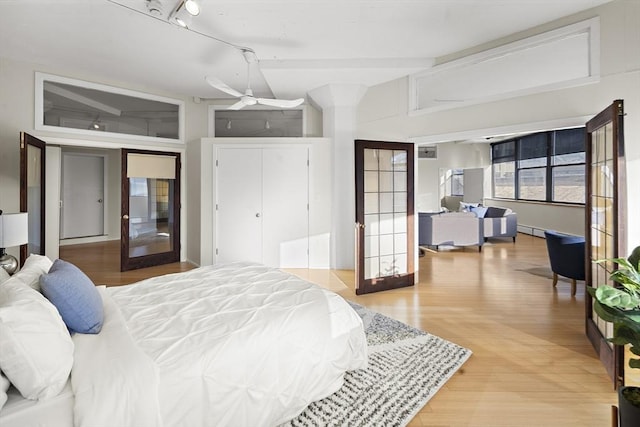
x: 300, y: 44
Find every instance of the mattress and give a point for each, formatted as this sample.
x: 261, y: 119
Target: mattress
x: 54, y: 412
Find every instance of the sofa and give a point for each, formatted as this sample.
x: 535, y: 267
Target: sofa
x: 497, y: 222
x: 451, y: 229
x: 474, y: 225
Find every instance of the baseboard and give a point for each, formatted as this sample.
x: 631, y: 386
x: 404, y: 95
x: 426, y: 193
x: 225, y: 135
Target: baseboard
x: 531, y: 230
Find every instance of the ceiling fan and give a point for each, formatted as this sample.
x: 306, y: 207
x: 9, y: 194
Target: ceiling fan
x: 247, y: 98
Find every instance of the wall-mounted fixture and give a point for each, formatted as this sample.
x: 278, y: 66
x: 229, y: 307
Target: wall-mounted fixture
x: 14, y: 231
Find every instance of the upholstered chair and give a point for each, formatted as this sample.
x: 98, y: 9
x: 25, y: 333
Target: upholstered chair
x: 566, y: 255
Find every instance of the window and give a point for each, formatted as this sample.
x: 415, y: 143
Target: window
x: 454, y: 182
x: 85, y: 108
x: 545, y: 166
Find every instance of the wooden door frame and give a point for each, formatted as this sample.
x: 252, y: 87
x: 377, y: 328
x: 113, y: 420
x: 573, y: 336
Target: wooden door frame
x: 25, y: 141
x: 362, y: 285
x: 612, y: 358
x: 127, y: 263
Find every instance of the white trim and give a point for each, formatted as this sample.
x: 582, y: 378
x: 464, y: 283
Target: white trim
x: 569, y: 122
x: 39, y: 109
x: 590, y: 27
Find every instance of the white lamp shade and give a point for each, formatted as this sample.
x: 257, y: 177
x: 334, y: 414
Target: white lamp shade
x: 14, y: 229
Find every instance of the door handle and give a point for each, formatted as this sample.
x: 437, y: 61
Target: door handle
x: 99, y: 200
x: 258, y: 215
x: 125, y: 216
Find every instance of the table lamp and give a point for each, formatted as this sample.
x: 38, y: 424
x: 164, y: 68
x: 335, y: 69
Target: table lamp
x: 14, y: 231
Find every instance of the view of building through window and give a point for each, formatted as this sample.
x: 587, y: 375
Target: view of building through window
x: 545, y: 166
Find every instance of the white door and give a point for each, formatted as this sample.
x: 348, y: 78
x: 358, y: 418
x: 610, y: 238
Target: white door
x: 239, y: 205
x: 262, y: 206
x: 82, y: 212
x: 285, y: 202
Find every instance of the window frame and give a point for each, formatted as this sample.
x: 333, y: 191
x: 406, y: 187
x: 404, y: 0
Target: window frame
x: 515, y: 156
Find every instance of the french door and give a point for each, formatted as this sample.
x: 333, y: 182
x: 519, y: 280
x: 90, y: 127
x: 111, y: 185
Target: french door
x: 150, y: 209
x: 605, y: 236
x: 384, y: 215
x: 32, y: 186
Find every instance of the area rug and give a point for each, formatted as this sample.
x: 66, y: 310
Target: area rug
x: 406, y: 368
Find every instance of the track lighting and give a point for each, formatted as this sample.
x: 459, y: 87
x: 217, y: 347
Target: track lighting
x: 184, y: 11
x: 193, y: 7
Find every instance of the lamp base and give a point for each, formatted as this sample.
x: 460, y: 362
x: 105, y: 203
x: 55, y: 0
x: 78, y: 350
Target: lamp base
x: 9, y: 263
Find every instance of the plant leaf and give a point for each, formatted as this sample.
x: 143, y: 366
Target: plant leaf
x: 616, y: 298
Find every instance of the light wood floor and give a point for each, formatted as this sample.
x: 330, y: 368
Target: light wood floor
x: 532, y: 364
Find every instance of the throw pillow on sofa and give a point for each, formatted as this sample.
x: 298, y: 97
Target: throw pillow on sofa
x: 493, y: 212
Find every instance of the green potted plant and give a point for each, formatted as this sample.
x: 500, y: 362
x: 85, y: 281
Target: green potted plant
x: 621, y: 306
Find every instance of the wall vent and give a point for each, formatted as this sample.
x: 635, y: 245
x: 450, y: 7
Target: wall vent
x: 429, y: 152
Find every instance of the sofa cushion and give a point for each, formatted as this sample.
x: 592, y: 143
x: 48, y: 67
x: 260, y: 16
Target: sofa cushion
x: 493, y: 212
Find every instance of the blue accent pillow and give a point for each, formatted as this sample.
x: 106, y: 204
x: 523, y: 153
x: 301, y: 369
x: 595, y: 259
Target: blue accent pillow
x: 480, y: 211
x: 75, y: 296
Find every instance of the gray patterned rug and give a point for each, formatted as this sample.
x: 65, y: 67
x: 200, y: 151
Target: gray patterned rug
x: 407, y: 367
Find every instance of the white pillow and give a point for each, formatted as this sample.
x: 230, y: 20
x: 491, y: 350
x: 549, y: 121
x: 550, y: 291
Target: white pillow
x: 34, y: 267
x: 4, y: 386
x: 4, y: 276
x: 37, y: 350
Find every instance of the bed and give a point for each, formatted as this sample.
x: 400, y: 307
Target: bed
x: 239, y: 345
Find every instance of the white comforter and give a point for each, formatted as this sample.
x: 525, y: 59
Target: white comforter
x: 236, y: 345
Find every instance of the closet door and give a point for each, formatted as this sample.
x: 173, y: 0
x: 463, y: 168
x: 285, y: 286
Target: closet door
x: 262, y: 206
x: 285, y: 201
x: 239, y: 205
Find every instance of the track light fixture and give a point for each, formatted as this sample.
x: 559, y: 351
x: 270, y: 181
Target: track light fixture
x: 193, y: 7
x: 183, y: 13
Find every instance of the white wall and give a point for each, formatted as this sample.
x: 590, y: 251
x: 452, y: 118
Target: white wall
x: 17, y: 86
x: 383, y: 110
x: 451, y: 155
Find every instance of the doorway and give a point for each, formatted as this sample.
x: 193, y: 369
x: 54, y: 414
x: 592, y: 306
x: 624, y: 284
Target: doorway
x: 82, y: 211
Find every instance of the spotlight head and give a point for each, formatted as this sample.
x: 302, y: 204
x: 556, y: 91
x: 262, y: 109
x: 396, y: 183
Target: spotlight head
x: 192, y: 7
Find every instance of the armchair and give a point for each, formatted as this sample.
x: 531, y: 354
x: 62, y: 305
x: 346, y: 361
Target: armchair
x: 566, y: 256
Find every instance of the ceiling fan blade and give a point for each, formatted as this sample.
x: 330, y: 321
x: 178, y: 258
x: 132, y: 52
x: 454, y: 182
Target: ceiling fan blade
x: 220, y: 85
x: 282, y: 103
x: 238, y: 105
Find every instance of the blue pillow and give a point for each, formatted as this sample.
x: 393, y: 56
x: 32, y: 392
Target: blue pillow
x: 75, y: 296
x: 480, y: 211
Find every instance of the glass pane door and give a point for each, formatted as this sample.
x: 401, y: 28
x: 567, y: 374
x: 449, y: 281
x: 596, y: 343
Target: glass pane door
x: 384, y: 210
x: 605, y: 200
x: 32, y: 184
x: 150, y: 209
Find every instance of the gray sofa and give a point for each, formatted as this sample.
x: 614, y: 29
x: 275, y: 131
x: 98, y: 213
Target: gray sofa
x: 451, y: 229
x: 499, y: 222
x: 466, y: 228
